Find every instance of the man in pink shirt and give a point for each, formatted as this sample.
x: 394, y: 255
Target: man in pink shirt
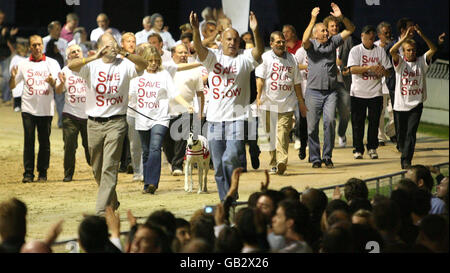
x: 69, y: 27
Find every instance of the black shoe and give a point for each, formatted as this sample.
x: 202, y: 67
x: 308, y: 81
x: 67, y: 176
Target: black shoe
x: 255, y: 161
x: 67, y: 178
x: 149, y: 189
x: 130, y: 169
x: 317, y: 165
x: 27, y: 179
x: 381, y: 143
x: 393, y: 139
x: 42, y: 178
x: 122, y: 169
x: 302, y: 153
x: 328, y: 163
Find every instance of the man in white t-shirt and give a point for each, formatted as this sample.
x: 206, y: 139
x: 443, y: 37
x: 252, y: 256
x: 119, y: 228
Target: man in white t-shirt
x: 108, y: 78
x: 74, y: 118
x: 278, y: 84
x: 368, y: 63
x: 229, y: 95
x: 301, y: 125
x: 40, y: 76
x: 189, y: 84
x: 384, y: 32
x: 103, y: 26
x: 155, y: 40
x: 141, y: 36
x: 410, y: 90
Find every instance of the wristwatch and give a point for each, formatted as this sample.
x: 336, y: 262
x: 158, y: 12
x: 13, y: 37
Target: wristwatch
x: 127, y: 54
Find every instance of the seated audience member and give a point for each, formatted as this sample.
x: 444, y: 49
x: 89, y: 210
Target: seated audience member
x: 290, y: 193
x: 292, y: 222
x: 337, y: 240
x: 338, y: 215
x: 355, y: 188
x: 253, y: 230
x: 407, y: 185
x: 316, y: 201
x: 253, y: 199
x: 442, y: 193
x: 13, y: 229
x: 334, y: 205
x: 359, y: 203
x: 93, y: 236
x: 182, y: 232
x: 363, y: 217
x: 267, y: 204
x: 150, y: 238
x: 197, y: 245
x: 202, y: 227
x: 420, y: 205
x: 433, y: 233
x: 228, y: 241
x: 408, y: 232
x: 362, y: 234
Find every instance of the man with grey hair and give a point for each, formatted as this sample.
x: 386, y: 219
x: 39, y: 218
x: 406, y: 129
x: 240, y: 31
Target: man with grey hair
x: 141, y: 36
x: 108, y: 77
x: 103, y: 26
x: 68, y: 29
x: 384, y: 32
x: 322, y: 80
x: 207, y: 15
x: 54, y: 30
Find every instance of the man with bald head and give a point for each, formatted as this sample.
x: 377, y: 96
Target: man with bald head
x: 141, y: 36
x: 321, y: 88
x: 229, y: 97
x: 103, y: 26
x: 108, y: 78
x: 190, y: 85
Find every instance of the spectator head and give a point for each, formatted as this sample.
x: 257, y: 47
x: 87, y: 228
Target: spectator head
x: 290, y: 192
x: 363, y: 217
x: 13, y: 223
x: 150, y: 238
x: 180, y: 54
x: 410, y: 50
x: 36, y: 46
x: 74, y: 52
x: 146, y: 23
x: 157, y: 21
x: 183, y: 231
x: 81, y: 32
x: 278, y: 43
x: 186, y: 39
x: 292, y: 217
x: 35, y: 247
x: 289, y: 33
x: 252, y: 228
x: 102, y: 21
x: 54, y: 29
x: 268, y: 202
x: 155, y: 40
x: 442, y: 188
x: 202, y: 227
x: 386, y: 216
x: 359, y: 203
x: 253, y: 199
x: 320, y: 33
x: 332, y: 25
x: 129, y: 42
x: 152, y: 56
x: 225, y: 22
x: 338, y: 216
x: 420, y: 175
x: 21, y: 49
x: 107, y: 39
x: 355, y: 188
x: 72, y: 20
x: 421, y: 204
x: 316, y: 201
x: 185, y: 28
x: 247, y: 37
x: 433, y: 233
x: 362, y: 234
x: 403, y: 200
x: 334, y: 205
x: 407, y: 185
x: 207, y: 14
x: 93, y: 235
x: 208, y: 28
x: 166, y: 220
x: 228, y: 241
x: 196, y: 245
x: 230, y: 42
x: 337, y: 239
x: 384, y: 32
x: 402, y: 26
x: 368, y: 35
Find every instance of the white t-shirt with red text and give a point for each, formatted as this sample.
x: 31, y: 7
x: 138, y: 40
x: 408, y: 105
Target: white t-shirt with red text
x: 280, y: 74
x: 302, y: 58
x: 153, y: 92
x: 37, y: 96
x: 75, y: 89
x: 229, y: 85
x: 367, y: 85
x: 108, y: 85
x: 410, y: 83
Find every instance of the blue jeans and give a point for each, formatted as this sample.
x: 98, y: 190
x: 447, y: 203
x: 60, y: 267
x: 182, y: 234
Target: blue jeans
x: 321, y: 102
x: 226, y: 143
x: 151, y: 141
x: 343, y: 109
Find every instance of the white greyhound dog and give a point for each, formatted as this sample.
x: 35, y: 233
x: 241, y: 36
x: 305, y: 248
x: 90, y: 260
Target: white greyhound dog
x: 196, y: 152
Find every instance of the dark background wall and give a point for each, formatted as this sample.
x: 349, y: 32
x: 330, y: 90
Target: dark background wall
x: 32, y: 16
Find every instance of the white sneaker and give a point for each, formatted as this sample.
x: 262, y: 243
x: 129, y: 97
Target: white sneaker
x: 342, y: 142
x: 17, y: 109
x: 177, y: 172
x: 373, y: 154
x: 273, y: 170
x: 297, y: 144
x: 138, y: 178
x: 357, y: 155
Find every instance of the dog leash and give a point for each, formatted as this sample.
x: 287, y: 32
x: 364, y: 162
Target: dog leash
x: 141, y: 113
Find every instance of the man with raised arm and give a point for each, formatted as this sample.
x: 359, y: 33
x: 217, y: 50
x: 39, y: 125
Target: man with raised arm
x: 229, y: 80
x: 322, y: 83
x: 410, y: 90
x: 108, y: 78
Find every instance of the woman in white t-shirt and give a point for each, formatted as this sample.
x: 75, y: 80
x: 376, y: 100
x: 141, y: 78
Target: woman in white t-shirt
x: 157, y: 23
x: 153, y: 90
x: 410, y: 90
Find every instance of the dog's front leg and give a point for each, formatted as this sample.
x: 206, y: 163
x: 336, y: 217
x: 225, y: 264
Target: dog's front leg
x: 186, y: 175
x: 200, y: 174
